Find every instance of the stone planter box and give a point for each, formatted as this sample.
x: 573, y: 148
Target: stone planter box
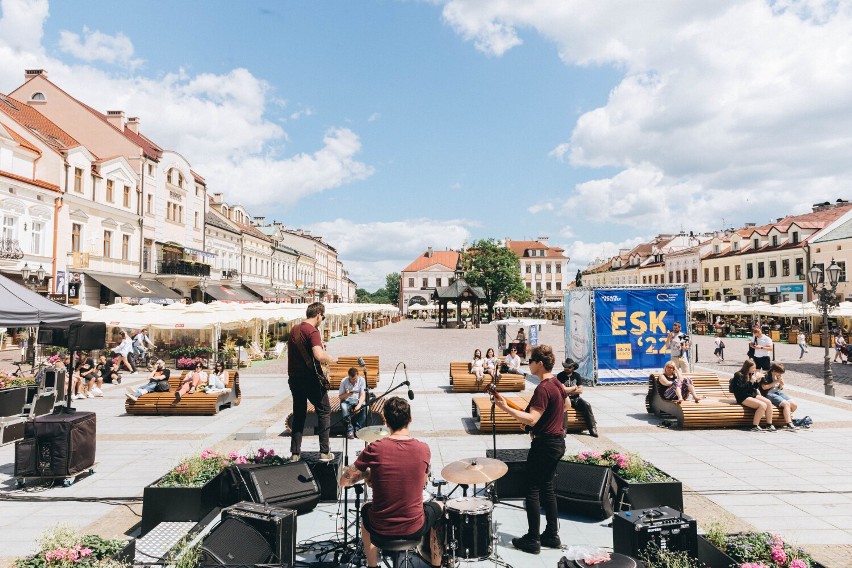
x: 181, y: 503
x: 647, y: 495
x: 715, y: 558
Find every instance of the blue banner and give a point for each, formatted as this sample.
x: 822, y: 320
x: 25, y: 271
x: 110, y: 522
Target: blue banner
x: 631, y: 327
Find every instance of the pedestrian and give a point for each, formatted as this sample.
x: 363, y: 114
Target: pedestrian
x: 719, y: 352
x: 803, y: 345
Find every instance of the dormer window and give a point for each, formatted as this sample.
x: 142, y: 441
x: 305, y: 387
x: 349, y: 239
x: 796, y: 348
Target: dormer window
x: 38, y: 97
x: 775, y: 240
x: 756, y: 244
x: 795, y: 237
x: 735, y: 245
x: 716, y: 249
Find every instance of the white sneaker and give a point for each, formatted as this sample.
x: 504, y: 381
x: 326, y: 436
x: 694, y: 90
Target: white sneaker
x: 326, y: 457
x: 135, y: 373
x: 89, y: 395
x: 131, y: 394
x: 77, y: 396
x: 97, y: 391
x: 295, y: 458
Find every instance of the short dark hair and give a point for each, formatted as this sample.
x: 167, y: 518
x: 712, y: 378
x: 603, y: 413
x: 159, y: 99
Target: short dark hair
x: 353, y: 371
x: 397, y: 413
x: 543, y: 354
x: 777, y: 368
x: 316, y: 308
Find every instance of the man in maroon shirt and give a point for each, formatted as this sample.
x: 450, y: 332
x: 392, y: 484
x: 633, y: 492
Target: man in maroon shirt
x: 397, y: 467
x: 545, y: 414
x: 305, y: 353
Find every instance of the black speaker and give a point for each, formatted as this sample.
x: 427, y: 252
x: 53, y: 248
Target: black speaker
x: 57, y: 445
x: 84, y: 335
x: 12, y: 401
x: 585, y: 490
x: 513, y: 485
x: 12, y: 431
x: 662, y: 527
x: 57, y: 336
x: 54, y: 379
x: 234, y: 541
x: 278, y: 527
x: 290, y: 485
x: 327, y: 473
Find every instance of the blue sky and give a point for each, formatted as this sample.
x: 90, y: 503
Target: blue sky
x: 390, y: 126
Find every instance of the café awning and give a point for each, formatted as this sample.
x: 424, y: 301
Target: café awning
x: 266, y: 293
x: 130, y: 287
x: 225, y: 293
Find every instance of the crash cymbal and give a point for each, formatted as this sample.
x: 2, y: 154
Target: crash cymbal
x: 474, y: 471
x: 372, y: 434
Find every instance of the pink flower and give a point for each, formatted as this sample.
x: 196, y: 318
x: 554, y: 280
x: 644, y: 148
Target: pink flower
x: 753, y: 565
x: 241, y: 460
x: 233, y: 455
x: 778, y: 555
x: 209, y: 454
x: 270, y: 452
x: 798, y: 564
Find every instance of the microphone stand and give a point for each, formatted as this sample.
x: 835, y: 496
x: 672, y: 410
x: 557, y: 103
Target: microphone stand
x: 491, y: 490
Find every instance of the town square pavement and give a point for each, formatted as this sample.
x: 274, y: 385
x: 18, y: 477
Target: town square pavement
x: 797, y: 484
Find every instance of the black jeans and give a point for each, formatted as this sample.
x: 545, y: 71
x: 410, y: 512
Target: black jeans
x: 585, y: 409
x: 545, y: 453
x: 304, y: 390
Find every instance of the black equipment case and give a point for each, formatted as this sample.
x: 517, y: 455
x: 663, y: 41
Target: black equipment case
x: 57, y: 445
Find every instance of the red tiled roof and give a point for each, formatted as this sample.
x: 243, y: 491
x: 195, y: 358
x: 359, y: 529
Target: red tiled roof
x: 448, y: 258
x: 36, y: 182
x: 21, y: 140
x: 198, y: 178
x: 252, y: 231
x: 40, y: 125
x: 518, y: 247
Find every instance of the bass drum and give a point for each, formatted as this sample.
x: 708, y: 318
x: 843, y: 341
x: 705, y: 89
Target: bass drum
x: 469, y: 527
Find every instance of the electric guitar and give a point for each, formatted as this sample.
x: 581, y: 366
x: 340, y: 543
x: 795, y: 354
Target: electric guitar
x: 491, y: 390
x: 321, y: 370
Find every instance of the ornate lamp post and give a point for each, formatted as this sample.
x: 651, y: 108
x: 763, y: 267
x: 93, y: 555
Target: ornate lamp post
x: 27, y: 274
x: 202, y: 285
x: 826, y: 299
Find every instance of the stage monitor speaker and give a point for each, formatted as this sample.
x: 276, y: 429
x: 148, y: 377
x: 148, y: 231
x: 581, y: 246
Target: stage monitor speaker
x: 585, y: 490
x: 291, y: 485
x: 234, y: 541
x: 327, y: 473
x: 57, y: 336
x: 513, y: 485
x: 278, y: 527
x: 662, y: 527
x: 85, y: 335
x: 54, y: 380
x: 57, y: 445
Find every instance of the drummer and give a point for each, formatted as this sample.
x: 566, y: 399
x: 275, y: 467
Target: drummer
x: 397, y: 467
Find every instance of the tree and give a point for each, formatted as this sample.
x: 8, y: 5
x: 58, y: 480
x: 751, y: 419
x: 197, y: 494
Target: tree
x: 496, y: 270
x: 392, y: 287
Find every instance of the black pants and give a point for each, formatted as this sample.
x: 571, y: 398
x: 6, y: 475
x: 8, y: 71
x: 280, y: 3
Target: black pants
x: 585, y: 409
x: 304, y: 390
x: 545, y: 453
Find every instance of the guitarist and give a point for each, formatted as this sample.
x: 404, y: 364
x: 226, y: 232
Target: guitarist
x: 305, y: 355
x: 545, y: 415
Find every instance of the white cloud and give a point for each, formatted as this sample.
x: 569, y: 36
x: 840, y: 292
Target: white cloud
x: 301, y: 113
x: 583, y: 253
x: 560, y: 151
x: 374, y: 117
x: 539, y: 207
x: 98, y: 46
x: 373, y: 250
x: 494, y: 35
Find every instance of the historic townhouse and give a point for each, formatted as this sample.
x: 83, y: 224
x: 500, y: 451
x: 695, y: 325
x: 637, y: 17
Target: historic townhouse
x: 684, y: 265
x: 832, y: 243
x: 544, y: 269
x: 292, y: 265
x: 432, y: 269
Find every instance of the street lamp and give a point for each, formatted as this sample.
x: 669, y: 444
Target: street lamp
x: 27, y: 274
x: 202, y: 285
x: 826, y: 300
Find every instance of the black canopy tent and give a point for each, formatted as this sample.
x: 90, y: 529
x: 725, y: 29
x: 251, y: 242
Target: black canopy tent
x: 21, y: 307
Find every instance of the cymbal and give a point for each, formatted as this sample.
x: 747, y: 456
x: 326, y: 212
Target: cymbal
x: 473, y: 471
x: 372, y: 434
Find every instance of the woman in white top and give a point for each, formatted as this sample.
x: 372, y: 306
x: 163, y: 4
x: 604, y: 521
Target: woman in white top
x: 217, y: 381
x: 123, y: 349
x: 477, y: 366
x: 191, y: 381
x: 803, y: 346
x: 492, y: 364
x: 719, y: 352
x: 839, y: 347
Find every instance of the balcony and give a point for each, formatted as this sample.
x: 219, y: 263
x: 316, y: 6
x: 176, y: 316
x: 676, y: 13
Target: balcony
x: 11, y: 249
x: 230, y: 274
x: 184, y: 268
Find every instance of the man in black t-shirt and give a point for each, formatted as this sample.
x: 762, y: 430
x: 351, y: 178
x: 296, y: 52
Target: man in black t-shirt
x: 571, y: 379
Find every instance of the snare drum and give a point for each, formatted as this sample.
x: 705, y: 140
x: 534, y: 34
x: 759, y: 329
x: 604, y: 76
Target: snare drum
x: 469, y: 527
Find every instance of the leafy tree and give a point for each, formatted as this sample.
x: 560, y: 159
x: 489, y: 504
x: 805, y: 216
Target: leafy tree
x: 380, y: 296
x: 392, y: 287
x: 496, y: 270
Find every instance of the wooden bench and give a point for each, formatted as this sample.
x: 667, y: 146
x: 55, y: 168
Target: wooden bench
x: 340, y: 370
x: 718, y: 410
x: 198, y: 403
x: 505, y: 422
x: 462, y: 380
x: 338, y: 427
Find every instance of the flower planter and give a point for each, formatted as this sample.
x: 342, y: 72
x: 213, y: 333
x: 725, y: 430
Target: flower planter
x: 712, y: 557
x: 639, y: 495
x: 180, y: 503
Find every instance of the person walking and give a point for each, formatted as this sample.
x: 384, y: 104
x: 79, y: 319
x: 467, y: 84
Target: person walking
x: 803, y: 345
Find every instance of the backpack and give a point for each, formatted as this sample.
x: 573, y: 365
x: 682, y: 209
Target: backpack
x: 731, y: 385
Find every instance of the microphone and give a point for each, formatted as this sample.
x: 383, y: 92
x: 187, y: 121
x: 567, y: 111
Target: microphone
x: 410, y: 392
x: 363, y: 365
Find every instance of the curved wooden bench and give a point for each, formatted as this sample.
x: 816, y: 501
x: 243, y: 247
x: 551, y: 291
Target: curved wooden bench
x: 338, y: 427
x: 462, y: 380
x: 505, y: 422
x: 718, y: 410
x: 338, y: 371
x: 199, y: 403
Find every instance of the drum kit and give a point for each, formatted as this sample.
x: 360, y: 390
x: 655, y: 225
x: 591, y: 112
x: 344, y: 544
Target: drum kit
x: 469, y: 534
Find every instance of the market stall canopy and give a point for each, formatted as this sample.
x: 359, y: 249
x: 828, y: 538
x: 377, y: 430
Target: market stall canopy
x: 21, y: 307
x: 129, y: 287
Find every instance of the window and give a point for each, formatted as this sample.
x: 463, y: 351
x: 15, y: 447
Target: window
x: 547, y: 286
x: 76, y: 237
x: 558, y: 270
x: 715, y: 274
x: 411, y: 282
x: 677, y: 275
x: 169, y: 176
x: 538, y: 268
x: 756, y: 244
x: 775, y: 240
x: 107, y: 244
x: 36, y: 237
x: 438, y: 283
x: 715, y: 249
x: 529, y: 269
x: 735, y: 245
x: 125, y: 247
x: 695, y: 275
x: 800, y: 267
x: 644, y: 279
x: 150, y: 169
x: 547, y: 269
x: 685, y: 275
x: 126, y: 201
x: 10, y: 227
x: 795, y: 237
x: 150, y: 207
x: 727, y: 273
x: 707, y: 275
x: 110, y: 187
x: 773, y: 269
x: 78, y: 180
x: 749, y: 271
x: 761, y: 271
x: 180, y: 180
x: 785, y: 267
x: 196, y: 219
x: 425, y: 282
x: 38, y: 97
x: 671, y: 277
x: 842, y: 277
x: 738, y: 272
x: 559, y: 286
x: 180, y: 213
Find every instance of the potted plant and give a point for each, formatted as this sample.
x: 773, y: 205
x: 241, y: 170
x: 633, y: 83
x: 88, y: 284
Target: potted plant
x: 750, y: 550
x: 640, y: 483
x: 194, y: 487
x: 63, y: 547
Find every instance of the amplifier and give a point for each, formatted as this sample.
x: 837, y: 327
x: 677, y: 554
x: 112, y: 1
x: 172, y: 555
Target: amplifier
x: 291, y: 485
x: 278, y: 527
x: 327, y: 473
x: 513, y: 485
x: 662, y: 527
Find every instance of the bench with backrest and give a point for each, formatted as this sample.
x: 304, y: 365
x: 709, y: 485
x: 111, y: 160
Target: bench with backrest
x: 338, y: 427
x: 505, y: 422
x: 198, y: 403
x: 462, y: 380
x: 719, y: 408
x: 340, y: 370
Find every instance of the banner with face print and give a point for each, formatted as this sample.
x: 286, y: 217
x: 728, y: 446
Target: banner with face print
x: 578, y: 332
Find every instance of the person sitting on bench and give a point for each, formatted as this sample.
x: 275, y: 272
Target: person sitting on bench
x: 771, y: 387
x: 397, y: 467
x: 512, y: 364
x: 191, y: 381
x: 492, y: 364
x: 477, y: 365
x: 672, y: 386
x: 158, y: 382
